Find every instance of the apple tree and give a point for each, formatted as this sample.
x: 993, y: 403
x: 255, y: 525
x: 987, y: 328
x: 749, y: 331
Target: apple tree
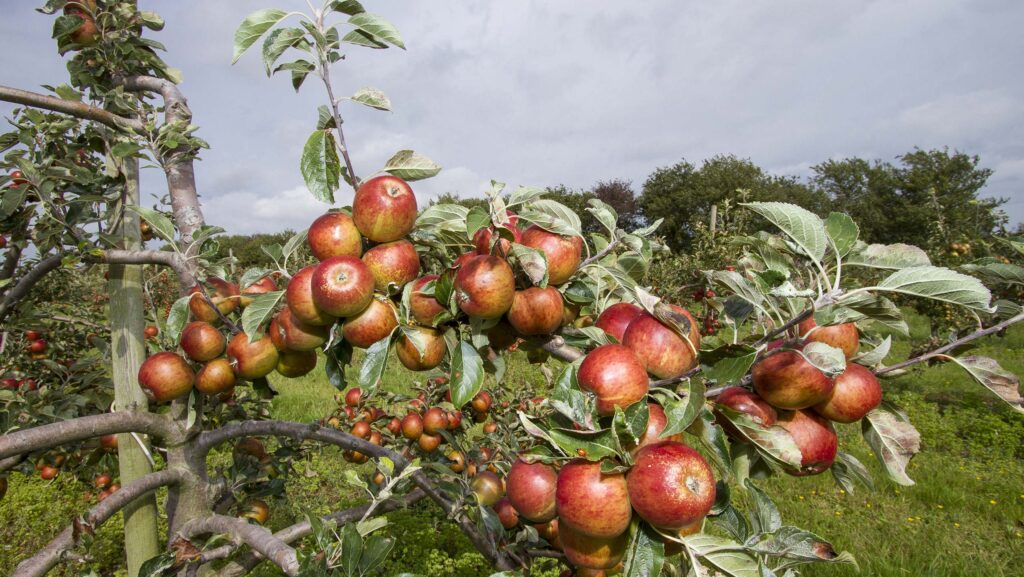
x: 625, y: 459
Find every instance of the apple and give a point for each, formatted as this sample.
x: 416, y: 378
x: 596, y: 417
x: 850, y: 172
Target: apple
x: 502, y: 336
x: 490, y: 427
x: 166, y: 376
x: 429, y: 340
x: 353, y: 396
x: 299, y: 296
x: 373, y: 323
x: 856, y: 393
x: 362, y: 430
x: 507, y: 514
x: 252, y: 360
x: 569, y: 313
x: 102, y: 481
x: 531, y: 490
x: 257, y: 510
x: 592, y: 503
x: 215, y: 377
x: 48, y: 473
x: 663, y: 352
x: 394, y: 263
x: 384, y: 208
x: 412, y: 426
x: 843, y: 336
x: 424, y: 308
x: 481, y: 403
x: 342, y: 286
x: 815, y: 438
x: 487, y: 487
x: 788, y: 381
x: 483, y: 238
x: 615, y: 375
x: 294, y: 364
x: 590, y: 552
x: 37, y: 346
x: 202, y: 342
x: 290, y: 334
x: 262, y: 286
x: 33, y: 335
x: 656, y: 423
x: 536, y: 311
x: 87, y: 33
x: 224, y: 296
x: 109, y: 442
x: 334, y: 234
x: 464, y: 258
x: 429, y: 443
x: 564, y: 253
x: 485, y: 287
x: 744, y: 401
x: 454, y: 420
x: 670, y: 485
x: 549, y: 532
x: 435, y: 420
x: 150, y: 332
x: 615, y: 319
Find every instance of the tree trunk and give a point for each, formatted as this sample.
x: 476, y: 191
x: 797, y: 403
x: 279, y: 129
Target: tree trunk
x: 128, y: 350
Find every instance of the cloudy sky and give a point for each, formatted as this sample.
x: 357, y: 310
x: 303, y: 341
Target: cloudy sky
x: 547, y: 92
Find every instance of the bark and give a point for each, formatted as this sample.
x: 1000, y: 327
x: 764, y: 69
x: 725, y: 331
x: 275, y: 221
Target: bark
x: 259, y: 539
x: 70, y: 107
x: 83, y: 428
x: 25, y: 283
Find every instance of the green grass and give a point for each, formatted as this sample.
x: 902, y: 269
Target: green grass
x: 964, y: 517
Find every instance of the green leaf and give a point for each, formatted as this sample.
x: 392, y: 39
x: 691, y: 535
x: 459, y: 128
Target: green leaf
x: 375, y: 551
x: 151, y: 20
x: 378, y: 28
x: 553, y: 217
x: 524, y: 194
x: 66, y: 24
x: 728, y: 363
x: 847, y: 469
x: 177, y: 319
x: 740, y: 286
x: 411, y: 166
x: 680, y: 414
x: 725, y: 556
x: 337, y: 358
x: 995, y: 378
x: 842, y: 231
x: 590, y: 445
x: 361, y: 38
x: 467, y: 375
x: 795, y: 544
x: 259, y: 312
x: 604, y: 214
x: 320, y: 166
x: 159, y: 565
x: 161, y: 225
x: 298, y: 239
x: 893, y: 439
x: 887, y: 256
x: 350, y: 7
x: 875, y: 356
x: 765, y: 516
x: 645, y: 553
x: 997, y: 272
x: 712, y: 439
x: 447, y: 217
x: 939, y: 284
x: 254, y: 26
x: 635, y: 420
x: 533, y: 262
x: 773, y: 442
x: 374, y: 362
x: 277, y: 42
x: 800, y: 224
x: 351, y: 549
x: 825, y: 358
x: 373, y: 98
x: 477, y: 218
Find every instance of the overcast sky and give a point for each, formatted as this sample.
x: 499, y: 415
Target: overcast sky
x: 550, y: 92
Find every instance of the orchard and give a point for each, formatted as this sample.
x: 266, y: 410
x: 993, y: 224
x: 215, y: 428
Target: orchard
x: 641, y: 454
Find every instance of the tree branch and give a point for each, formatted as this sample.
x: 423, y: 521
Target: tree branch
x: 301, y: 432
x: 259, y: 539
x: 946, y: 348
x: 161, y: 257
x: 49, y: 556
x: 600, y: 254
x: 82, y: 428
x: 25, y: 283
x: 71, y: 108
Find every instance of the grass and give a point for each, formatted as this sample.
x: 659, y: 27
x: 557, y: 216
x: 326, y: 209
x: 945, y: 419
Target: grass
x: 964, y: 517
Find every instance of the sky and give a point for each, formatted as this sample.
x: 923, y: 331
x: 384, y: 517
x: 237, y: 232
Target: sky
x: 548, y: 92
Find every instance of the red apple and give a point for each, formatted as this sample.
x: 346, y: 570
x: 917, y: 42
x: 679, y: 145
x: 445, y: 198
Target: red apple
x: 615, y: 319
x: 670, y: 485
x: 262, y: 286
x: 744, y: 401
x: 299, y: 297
x: 202, y: 342
x: 856, y: 393
x: 435, y: 420
x: 656, y: 423
x: 506, y: 514
x: 412, y: 426
x: 592, y: 503
x: 290, y: 334
x: 384, y: 208
x: 483, y: 238
x: 615, y: 375
x: 843, y: 336
x: 392, y: 263
x: 150, y: 332
x: 294, y: 364
x: 33, y: 335
x: 564, y: 253
x: 374, y: 323
x: 485, y: 287
x: 252, y: 360
x: 590, y: 552
x: 433, y: 349
x: 215, y: 377
x: 463, y: 258
x: 663, y: 352
x: 109, y: 442
x: 165, y: 377
x: 87, y: 33
x: 531, y: 490
x: 788, y: 381
x: 37, y: 346
x: 424, y: 308
x: 536, y: 311
x: 342, y: 286
x: 225, y: 296
x: 353, y: 396
x: 487, y: 487
x: 815, y: 438
x: 334, y: 234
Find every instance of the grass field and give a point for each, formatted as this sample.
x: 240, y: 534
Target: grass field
x: 964, y: 517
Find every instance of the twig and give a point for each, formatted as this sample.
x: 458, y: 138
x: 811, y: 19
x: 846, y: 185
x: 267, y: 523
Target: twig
x: 325, y: 75
x: 946, y: 348
x: 600, y: 254
x: 70, y: 107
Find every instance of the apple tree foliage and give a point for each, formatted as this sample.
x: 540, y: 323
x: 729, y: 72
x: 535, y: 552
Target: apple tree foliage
x: 67, y: 198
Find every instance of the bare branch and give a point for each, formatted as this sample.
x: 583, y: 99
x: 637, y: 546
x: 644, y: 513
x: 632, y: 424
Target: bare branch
x: 600, y: 254
x: 25, y: 284
x: 256, y: 537
x: 49, y: 556
x: 161, y: 257
x: 947, y: 348
x: 82, y: 428
x: 70, y: 107
x: 555, y: 346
